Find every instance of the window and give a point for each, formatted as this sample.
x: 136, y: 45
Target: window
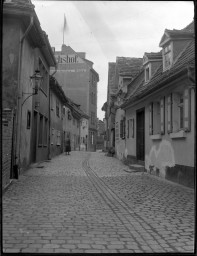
x: 130, y: 128
x: 63, y: 111
x: 92, y: 138
x: 157, y: 117
x: 178, y: 111
x: 181, y: 111
x: 117, y: 131
x: 92, y: 118
x: 69, y: 115
x: 167, y: 55
x: 28, y: 119
x: 57, y: 108
x: 147, y: 74
x: 122, y: 128
x: 58, y: 138
x: 40, y: 136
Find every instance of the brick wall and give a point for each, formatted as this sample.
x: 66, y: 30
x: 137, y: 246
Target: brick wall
x: 7, y: 129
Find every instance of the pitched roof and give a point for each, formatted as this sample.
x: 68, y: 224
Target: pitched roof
x: 186, y: 32
x: 152, y: 56
x: 189, y: 27
x: 128, y: 65
x: 160, y: 78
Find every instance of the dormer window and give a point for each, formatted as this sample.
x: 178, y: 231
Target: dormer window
x: 167, y: 55
x: 147, y: 74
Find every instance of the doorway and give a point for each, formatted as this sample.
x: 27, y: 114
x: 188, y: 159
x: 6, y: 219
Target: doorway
x: 34, y: 141
x: 140, y: 139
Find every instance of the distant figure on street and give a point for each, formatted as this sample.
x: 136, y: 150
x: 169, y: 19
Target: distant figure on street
x: 67, y: 144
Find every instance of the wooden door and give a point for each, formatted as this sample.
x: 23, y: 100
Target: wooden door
x: 140, y: 141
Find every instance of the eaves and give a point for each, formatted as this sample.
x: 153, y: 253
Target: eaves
x: 161, y: 86
x: 37, y: 36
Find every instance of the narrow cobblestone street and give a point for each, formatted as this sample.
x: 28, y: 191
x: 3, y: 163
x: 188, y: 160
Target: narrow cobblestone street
x: 90, y: 203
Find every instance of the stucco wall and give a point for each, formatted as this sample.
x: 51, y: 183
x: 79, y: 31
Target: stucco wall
x: 165, y: 151
x: 120, y: 144
x: 84, y: 133
x: 56, y: 125
x: 74, y: 79
x: 42, y: 99
x: 26, y: 87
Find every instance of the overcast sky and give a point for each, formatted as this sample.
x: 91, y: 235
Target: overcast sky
x: 107, y: 29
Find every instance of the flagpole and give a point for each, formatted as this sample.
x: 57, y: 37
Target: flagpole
x: 63, y: 28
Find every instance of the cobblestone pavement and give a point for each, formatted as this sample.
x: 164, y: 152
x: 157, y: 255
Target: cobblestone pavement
x: 88, y: 203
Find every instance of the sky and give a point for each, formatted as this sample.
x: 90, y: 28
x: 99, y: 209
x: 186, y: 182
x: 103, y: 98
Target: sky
x: 109, y: 29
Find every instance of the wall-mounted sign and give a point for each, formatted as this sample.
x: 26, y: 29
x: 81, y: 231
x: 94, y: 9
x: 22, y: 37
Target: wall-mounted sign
x: 70, y: 58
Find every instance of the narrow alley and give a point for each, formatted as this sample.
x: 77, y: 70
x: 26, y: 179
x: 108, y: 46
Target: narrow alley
x: 90, y: 203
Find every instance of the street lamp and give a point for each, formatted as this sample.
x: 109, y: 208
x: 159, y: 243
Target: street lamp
x: 37, y: 78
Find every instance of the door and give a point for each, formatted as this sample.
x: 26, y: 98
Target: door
x: 140, y: 129
x: 34, y: 141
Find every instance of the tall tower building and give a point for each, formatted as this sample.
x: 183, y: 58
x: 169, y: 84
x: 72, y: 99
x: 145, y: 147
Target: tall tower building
x: 79, y: 81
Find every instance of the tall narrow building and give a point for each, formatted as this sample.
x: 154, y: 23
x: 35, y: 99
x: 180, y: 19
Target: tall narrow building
x: 79, y: 81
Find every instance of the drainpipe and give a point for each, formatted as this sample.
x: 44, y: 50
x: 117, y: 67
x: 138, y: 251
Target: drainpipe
x: 19, y: 100
x: 192, y: 85
x: 49, y: 137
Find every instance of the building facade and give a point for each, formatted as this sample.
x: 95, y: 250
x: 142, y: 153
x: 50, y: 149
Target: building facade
x: 26, y: 49
x: 120, y: 74
x: 159, y: 123
x: 79, y: 81
x: 66, y: 120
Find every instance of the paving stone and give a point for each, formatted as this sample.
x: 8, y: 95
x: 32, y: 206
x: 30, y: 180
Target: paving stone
x: 92, y: 251
x: 59, y: 205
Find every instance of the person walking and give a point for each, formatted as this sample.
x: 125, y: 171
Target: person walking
x: 67, y: 144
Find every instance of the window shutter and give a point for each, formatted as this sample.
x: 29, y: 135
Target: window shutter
x: 162, y: 115
x: 132, y: 120
x: 187, y: 109
x: 169, y: 122
x: 124, y: 128
x: 121, y: 128
x: 151, y: 118
x: 127, y: 128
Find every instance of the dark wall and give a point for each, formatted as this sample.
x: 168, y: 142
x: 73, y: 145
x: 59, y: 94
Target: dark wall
x: 10, y: 50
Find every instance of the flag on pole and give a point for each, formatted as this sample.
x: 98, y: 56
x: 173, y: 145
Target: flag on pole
x: 64, y: 22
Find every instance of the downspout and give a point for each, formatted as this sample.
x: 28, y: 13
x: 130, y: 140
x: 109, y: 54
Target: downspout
x: 192, y: 85
x: 49, y: 137
x: 19, y: 99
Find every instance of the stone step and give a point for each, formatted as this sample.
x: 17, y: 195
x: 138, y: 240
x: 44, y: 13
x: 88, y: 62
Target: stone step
x: 137, y: 167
